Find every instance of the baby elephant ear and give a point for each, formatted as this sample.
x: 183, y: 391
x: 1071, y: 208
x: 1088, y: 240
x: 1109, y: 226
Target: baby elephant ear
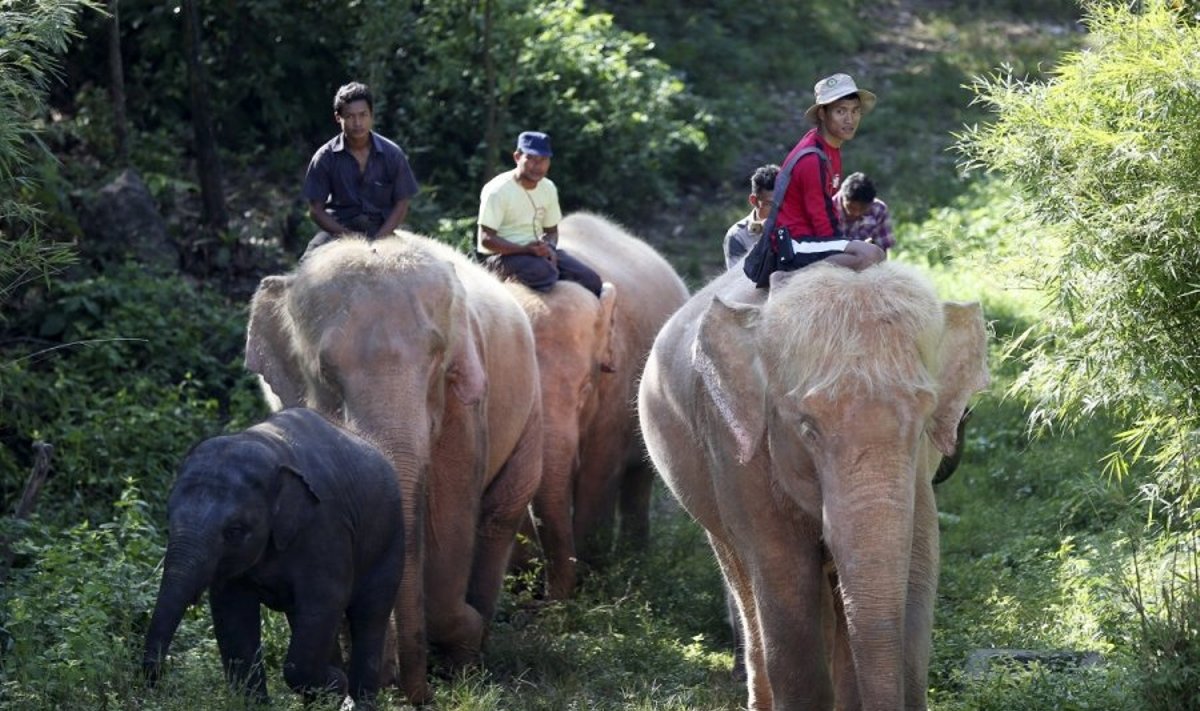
x: 294, y: 507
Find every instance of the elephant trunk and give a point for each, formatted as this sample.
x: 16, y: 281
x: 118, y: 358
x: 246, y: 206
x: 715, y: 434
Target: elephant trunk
x: 869, y: 532
x: 187, y: 572
x: 409, y: 452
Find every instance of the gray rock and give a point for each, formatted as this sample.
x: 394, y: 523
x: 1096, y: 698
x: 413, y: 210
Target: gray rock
x: 980, y: 661
x: 122, y: 220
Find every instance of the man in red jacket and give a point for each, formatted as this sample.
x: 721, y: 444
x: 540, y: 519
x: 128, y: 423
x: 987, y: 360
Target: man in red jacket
x: 807, y: 210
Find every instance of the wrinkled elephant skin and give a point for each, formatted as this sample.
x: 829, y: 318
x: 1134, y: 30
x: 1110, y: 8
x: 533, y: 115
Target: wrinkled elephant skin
x: 802, y: 429
x: 590, y: 354
x: 426, y: 354
x: 301, y: 516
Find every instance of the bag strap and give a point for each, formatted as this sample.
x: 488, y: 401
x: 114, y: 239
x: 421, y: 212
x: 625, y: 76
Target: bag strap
x: 781, y: 185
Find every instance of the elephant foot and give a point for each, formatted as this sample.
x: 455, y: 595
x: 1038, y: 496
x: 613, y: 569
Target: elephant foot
x: 453, y: 659
x: 418, y: 693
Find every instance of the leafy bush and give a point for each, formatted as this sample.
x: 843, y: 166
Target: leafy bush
x: 1109, y: 199
x: 131, y: 371
x: 1167, y: 603
x: 34, y: 38
x: 623, y: 124
x: 68, y: 619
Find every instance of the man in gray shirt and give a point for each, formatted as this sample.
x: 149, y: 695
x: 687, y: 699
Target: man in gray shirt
x: 742, y: 235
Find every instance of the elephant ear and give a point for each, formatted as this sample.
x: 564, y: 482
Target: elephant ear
x: 606, y: 327
x: 964, y: 370
x: 294, y: 507
x: 467, y: 377
x: 726, y: 357
x: 269, y: 350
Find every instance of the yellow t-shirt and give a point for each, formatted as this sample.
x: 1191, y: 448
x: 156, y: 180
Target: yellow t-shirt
x: 518, y: 215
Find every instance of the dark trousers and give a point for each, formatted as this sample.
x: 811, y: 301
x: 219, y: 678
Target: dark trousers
x: 539, y: 274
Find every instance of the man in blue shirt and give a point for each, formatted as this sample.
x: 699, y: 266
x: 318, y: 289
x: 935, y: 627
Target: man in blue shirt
x: 358, y: 182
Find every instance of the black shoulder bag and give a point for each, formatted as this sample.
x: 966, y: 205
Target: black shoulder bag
x: 773, y: 250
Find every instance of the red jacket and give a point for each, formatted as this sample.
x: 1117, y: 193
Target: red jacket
x: 807, y: 209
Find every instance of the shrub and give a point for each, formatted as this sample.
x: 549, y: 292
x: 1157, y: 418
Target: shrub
x: 71, y: 618
x: 1104, y: 154
x: 623, y: 123
x: 132, y: 371
x: 1167, y: 643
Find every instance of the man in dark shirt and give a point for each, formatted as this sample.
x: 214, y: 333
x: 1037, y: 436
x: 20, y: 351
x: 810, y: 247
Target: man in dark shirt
x: 358, y: 182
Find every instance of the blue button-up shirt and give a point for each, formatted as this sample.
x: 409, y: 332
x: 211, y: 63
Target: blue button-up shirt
x: 333, y: 176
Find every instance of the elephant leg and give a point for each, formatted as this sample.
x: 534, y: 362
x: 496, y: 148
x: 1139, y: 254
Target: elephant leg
x: 307, y: 669
x: 455, y: 627
x: 739, y: 638
x: 746, y: 621
x: 552, y: 511
x: 922, y: 591
x: 597, y: 487
x: 505, y: 503
x: 787, y: 577
x: 237, y: 624
x: 368, y: 615
x: 637, y: 483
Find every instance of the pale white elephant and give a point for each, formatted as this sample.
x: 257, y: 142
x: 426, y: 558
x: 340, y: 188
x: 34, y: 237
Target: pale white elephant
x: 802, y: 430
x: 426, y: 354
x: 590, y: 354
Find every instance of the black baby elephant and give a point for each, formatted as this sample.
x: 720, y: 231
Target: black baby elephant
x: 296, y: 514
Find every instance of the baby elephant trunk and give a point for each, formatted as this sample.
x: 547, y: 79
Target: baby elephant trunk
x: 186, y: 574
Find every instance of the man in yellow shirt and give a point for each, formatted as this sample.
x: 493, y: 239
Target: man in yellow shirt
x: 518, y: 222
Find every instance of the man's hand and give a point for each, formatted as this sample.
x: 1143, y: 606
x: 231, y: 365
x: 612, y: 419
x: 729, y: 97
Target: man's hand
x: 865, y: 254
x: 858, y: 256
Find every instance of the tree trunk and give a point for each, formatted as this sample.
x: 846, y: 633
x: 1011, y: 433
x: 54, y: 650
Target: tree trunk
x: 116, y: 89
x: 208, y: 164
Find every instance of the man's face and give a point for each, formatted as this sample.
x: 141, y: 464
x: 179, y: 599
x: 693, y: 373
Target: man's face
x: 356, y: 119
x: 531, y: 168
x: 853, y: 209
x: 762, y: 201
x: 840, y: 119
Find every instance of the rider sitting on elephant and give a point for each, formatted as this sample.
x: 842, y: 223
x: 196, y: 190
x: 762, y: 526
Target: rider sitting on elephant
x: 861, y: 215
x: 518, y: 222
x: 359, y: 181
x: 805, y: 189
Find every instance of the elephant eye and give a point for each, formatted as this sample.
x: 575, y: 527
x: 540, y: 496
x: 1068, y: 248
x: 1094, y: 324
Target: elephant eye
x: 808, y: 429
x: 236, y: 533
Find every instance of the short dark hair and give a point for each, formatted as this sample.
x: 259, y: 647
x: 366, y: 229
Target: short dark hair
x: 764, y: 178
x: 857, y: 187
x: 349, y: 93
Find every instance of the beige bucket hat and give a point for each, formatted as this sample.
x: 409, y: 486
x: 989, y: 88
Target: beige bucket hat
x: 835, y: 87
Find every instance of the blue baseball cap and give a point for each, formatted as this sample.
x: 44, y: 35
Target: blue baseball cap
x: 534, y: 143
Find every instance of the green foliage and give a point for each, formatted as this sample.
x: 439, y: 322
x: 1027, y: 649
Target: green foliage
x: 1105, y: 155
x: 68, y: 619
x: 272, y: 67
x: 623, y: 124
x: 1030, y: 532
x: 1166, y: 599
x: 34, y: 37
x: 719, y: 43
x: 130, y: 370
